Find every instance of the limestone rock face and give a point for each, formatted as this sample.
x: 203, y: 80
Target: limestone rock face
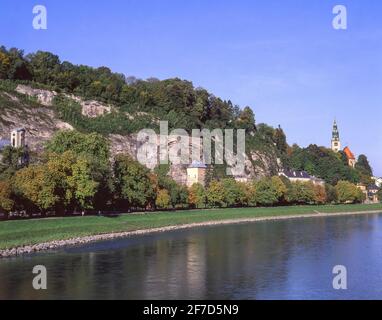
x: 90, y: 108
x: 93, y: 109
x: 41, y: 123
x: 45, y: 97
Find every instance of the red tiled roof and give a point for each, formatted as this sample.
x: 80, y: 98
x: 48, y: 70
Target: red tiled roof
x: 349, y: 154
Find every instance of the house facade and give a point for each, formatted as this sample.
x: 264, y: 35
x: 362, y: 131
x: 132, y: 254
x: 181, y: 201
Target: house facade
x: 301, y: 176
x: 350, y: 157
x: 370, y: 192
x: 196, y: 173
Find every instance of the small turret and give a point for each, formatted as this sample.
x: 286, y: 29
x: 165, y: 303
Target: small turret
x: 18, y: 138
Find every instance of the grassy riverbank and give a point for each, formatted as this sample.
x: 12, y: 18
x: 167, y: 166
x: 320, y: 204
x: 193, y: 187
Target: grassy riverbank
x: 29, y: 232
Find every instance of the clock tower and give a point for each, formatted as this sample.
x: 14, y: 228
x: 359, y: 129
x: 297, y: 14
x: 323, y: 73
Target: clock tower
x: 336, y: 142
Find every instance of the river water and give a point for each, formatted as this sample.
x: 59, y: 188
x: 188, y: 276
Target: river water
x: 289, y: 259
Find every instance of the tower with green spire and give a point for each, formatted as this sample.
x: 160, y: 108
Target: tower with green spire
x: 336, y: 142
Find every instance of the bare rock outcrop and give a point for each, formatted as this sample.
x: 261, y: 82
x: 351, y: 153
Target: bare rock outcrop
x: 44, y: 97
x: 90, y: 108
x: 41, y: 123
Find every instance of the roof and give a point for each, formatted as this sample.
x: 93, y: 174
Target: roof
x: 197, y: 164
x: 372, y: 187
x: 349, y: 154
x: 296, y: 174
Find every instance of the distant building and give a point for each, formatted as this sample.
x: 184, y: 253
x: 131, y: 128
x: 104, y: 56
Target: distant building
x: 336, y: 142
x: 18, y: 138
x: 370, y: 192
x: 350, y: 157
x: 336, y: 146
x: 301, y: 176
x: 196, y: 173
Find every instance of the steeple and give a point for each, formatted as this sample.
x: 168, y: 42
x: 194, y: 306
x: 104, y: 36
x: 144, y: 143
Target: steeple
x: 336, y: 142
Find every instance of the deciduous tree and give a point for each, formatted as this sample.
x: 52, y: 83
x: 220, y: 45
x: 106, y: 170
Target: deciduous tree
x: 6, y: 201
x: 197, y: 196
x: 348, y: 192
x: 133, y: 183
x: 163, y: 199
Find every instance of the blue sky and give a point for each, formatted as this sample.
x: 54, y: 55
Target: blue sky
x: 281, y: 57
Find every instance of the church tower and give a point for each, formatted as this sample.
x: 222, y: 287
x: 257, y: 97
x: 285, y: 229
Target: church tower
x: 336, y: 142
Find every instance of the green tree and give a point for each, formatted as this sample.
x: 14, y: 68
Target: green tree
x: 320, y: 194
x: 233, y: 193
x: 5, y: 63
x: 163, y: 199
x: 216, y: 194
x: 93, y: 145
x: 246, y: 120
x: 348, y: 192
x: 133, y: 183
x: 266, y: 193
x: 61, y: 184
x: 95, y: 150
x: 197, y: 196
x: 10, y: 161
x: 247, y: 194
x: 82, y: 184
x: 323, y: 163
x: 331, y: 193
x: 302, y: 193
x: 364, y: 170
x: 363, y: 165
x: 178, y: 194
x: 6, y: 200
x: 45, y: 66
x: 38, y: 189
x: 281, y: 141
x: 279, y: 188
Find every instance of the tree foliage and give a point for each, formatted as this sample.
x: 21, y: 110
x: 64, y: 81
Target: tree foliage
x: 348, y: 192
x: 197, y: 196
x: 6, y: 201
x: 163, y: 199
x: 323, y: 163
x: 133, y: 183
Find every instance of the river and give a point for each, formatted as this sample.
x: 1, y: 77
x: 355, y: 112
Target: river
x: 289, y: 259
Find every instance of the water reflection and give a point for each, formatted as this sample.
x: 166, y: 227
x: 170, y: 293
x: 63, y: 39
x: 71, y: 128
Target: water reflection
x: 269, y: 260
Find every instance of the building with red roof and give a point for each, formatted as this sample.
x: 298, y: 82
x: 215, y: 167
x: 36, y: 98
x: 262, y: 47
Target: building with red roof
x: 350, y: 156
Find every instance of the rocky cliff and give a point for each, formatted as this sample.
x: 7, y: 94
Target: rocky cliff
x: 34, y: 110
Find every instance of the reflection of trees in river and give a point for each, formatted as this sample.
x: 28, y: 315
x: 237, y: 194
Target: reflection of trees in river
x: 225, y: 262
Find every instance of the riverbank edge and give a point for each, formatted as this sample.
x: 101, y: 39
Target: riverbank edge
x: 29, y: 249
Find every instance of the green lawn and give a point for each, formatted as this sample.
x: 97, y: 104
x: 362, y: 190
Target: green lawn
x: 27, y: 232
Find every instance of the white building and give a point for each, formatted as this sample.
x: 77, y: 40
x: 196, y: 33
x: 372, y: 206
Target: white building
x: 18, y: 138
x: 301, y: 176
